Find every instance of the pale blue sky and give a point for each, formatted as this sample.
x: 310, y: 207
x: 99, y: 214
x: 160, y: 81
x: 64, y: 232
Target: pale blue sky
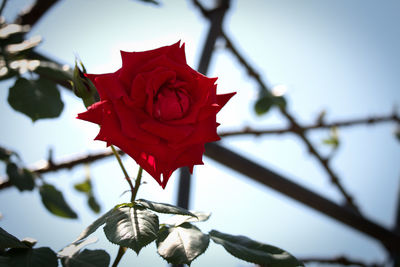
x: 341, y: 56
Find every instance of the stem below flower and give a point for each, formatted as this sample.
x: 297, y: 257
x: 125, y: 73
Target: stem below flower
x: 137, y: 183
x: 127, y: 178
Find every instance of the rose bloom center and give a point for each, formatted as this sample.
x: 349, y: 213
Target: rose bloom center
x: 170, y: 103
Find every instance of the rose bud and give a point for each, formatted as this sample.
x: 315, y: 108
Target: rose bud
x: 82, y: 86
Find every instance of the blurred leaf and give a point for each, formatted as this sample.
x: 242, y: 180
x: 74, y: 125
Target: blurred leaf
x: 93, y: 227
x: 279, y: 101
x: 182, y: 244
x: 266, y: 101
x: 23, y: 179
x: 94, y: 206
x: 9, y: 241
x: 177, y: 220
x: 163, y: 207
x: 37, y: 99
x: 5, y: 154
x: 54, y: 202
x: 131, y: 227
x: 32, y: 257
x: 333, y: 140
x: 85, y: 186
x: 252, y: 251
x: 87, y: 258
x: 263, y: 104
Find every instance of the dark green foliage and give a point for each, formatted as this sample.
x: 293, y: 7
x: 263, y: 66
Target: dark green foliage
x: 9, y: 241
x: 37, y: 99
x: 54, y: 202
x: 266, y: 101
x: 87, y: 258
x: 23, y: 179
x: 252, y: 251
x: 93, y: 205
x: 37, y: 257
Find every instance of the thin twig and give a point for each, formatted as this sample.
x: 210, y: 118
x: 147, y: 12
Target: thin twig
x: 296, y: 128
x: 341, y: 260
x: 319, y: 125
x: 3, y: 5
x: 121, y: 252
x: 127, y: 178
x: 46, y: 166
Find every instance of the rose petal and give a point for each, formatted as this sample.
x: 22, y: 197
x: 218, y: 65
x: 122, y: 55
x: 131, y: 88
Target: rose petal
x: 107, y: 85
x: 130, y: 121
x: 133, y: 61
x: 94, y: 113
x: 172, y: 134
x: 223, y: 99
x: 203, y: 132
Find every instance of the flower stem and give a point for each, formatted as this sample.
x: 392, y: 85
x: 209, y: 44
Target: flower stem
x: 127, y: 178
x: 137, y: 183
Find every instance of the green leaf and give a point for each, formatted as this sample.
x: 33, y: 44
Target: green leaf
x: 23, y: 179
x: 182, y: 244
x: 38, y: 99
x: 9, y: 241
x: 263, y: 104
x: 132, y: 227
x: 333, y: 140
x: 87, y: 258
x: 32, y: 257
x: 54, y: 202
x: 85, y: 186
x: 279, y: 101
x: 93, y: 227
x: 94, y: 206
x: 177, y: 220
x: 163, y: 207
x: 252, y: 251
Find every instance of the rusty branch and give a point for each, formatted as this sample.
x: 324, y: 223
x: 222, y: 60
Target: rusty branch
x: 318, y: 125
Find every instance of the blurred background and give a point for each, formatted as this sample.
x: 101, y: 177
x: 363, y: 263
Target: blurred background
x: 340, y: 57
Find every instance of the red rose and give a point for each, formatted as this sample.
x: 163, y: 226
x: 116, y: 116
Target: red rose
x: 157, y: 109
